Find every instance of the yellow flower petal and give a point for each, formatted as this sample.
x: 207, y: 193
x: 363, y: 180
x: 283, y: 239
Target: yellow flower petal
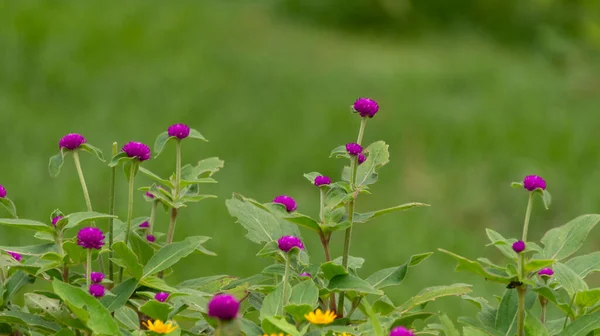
x: 318, y: 317
x: 160, y: 327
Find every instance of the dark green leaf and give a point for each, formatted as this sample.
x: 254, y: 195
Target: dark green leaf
x: 298, y: 311
x: 28, y: 320
x: 395, y: 275
x: 408, y: 319
x: 383, y: 306
x: 249, y: 328
x: 273, y: 302
x: 156, y: 310
x: 448, y: 326
x: 506, y: 320
x: 479, y: 326
x: 75, y: 253
x: 330, y: 269
x: 467, y: 265
x: 33, y: 250
x: 171, y: 254
x: 365, y: 217
x: 16, y: 282
x: 280, y: 325
x: 27, y: 224
x: 269, y: 249
x: 121, y: 295
x: 161, y: 141
x: 128, y: 318
x: 118, y: 159
x: 77, y: 218
x: 434, y: 293
x: 9, y: 206
x: 129, y: 259
x: 563, y: 241
x: 141, y: 247
x: 65, y: 332
x: 347, y: 282
x: 91, y: 149
x: 550, y: 295
x: 56, y: 163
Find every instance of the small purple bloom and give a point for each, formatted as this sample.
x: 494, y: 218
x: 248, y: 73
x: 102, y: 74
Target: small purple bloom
x: 532, y: 182
x: 97, y: 290
x: 180, y: 131
x: 71, y: 141
x: 15, y: 255
x: 223, y: 307
x: 546, y: 272
x: 322, y: 180
x: 401, y: 331
x: 56, y: 219
x: 90, y: 238
x: 144, y: 225
x: 96, y: 277
x: 137, y: 150
x: 305, y: 274
x: 151, y: 238
x: 2, y: 191
x: 287, y: 201
x: 519, y: 246
x: 149, y: 194
x: 361, y: 158
x: 161, y: 296
x: 286, y: 243
x: 366, y: 107
x: 353, y: 148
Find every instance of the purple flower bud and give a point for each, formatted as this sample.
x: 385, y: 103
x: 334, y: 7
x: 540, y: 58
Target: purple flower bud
x: 366, y: 107
x: 519, y: 246
x: 223, y: 307
x: 97, y: 290
x: 305, y: 274
x: 96, y: 277
x: 161, y: 296
x: 286, y: 243
x: 90, y: 238
x: 180, y: 131
x: 151, y: 238
x: 15, y: 255
x: 2, y: 191
x: 546, y: 272
x: 361, y: 158
x: 56, y: 219
x: 322, y: 180
x: 137, y: 150
x: 532, y: 182
x: 287, y: 201
x: 71, y: 141
x: 353, y: 148
x: 401, y: 331
x: 144, y: 225
x: 149, y: 194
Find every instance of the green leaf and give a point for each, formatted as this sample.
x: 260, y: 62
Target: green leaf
x: 533, y: 326
x: 209, y: 284
x: 365, y: 217
x: 141, y: 247
x: 395, y: 275
x: 194, y: 134
x: 156, y: 310
x: 157, y: 283
x: 28, y: 320
x: 330, y: 269
x: 506, y: 249
x: 65, y: 332
x: 478, y: 325
x: 128, y: 318
x: 9, y: 206
x: 77, y: 218
x: 261, y: 225
x: 95, y: 315
x: 56, y: 163
x: 298, y: 311
x: 448, y: 326
x: 122, y: 293
x: 563, y: 241
x: 269, y: 249
x: 303, y: 220
x: 407, y: 320
x: 506, y: 317
x: 273, y: 302
x: 249, y: 328
x: 95, y: 151
x: 312, y: 176
x: 467, y: 265
x: 339, y: 152
x: 583, y: 325
x: 156, y: 178
x: 434, y: 293
x: 204, y: 168
x: 585, y: 264
x: 75, y: 253
x: 347, y: 282
x: 281, y: 325
x: 171, y: 254
x: 354, y: 263
x: 161, y: 141
x: 129, y: 259
x: 534, y: 265
x: 118, y: 159
x: 131, y: 165
x: 383, y: 305
x: 587, y: 298
x: 27, y: 224
x: 546, y: 197
x: 550, y: 295
x: 32, y: 250
x: 568, y: 279
x: 377, y: 156
x: 306, y: 292
x: 16, y: 282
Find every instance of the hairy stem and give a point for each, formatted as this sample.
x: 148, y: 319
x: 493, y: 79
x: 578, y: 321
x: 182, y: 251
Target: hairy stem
x: 129, y: 209
x: 522, y: 289
x: 286, y: 279
x: 152, y: 216
x: 544, y: 305
x: 527, y: 217
x: 521, y: 312
x: 111, y: 211
x: 88, y: 268
x: 174, y: 211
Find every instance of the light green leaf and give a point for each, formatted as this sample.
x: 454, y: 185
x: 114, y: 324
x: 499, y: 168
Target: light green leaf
x: 157, y: 283
x: 28, y: 320
x: 194, y: 134
x: 506, y: 316
x: 156, y: 178
x: 9, y: 206
x: 141, y: 247
x: 365, y: 217
x: 479, y: 326
x: 583, y: 325
x: 506, y: 249
x: 261, y: 225
x: 434, y: 293
x: 377, y: 156
x: 204, y: 168
x: 55, y: 164
x: 347, y: 282
x: 534, y: 265
x: 16, y: 282
x: 546, y: 197
x: 171, y: 254
x: 312, y: 176
x: 533, y: 326
x: 129, y: 259
x: 95, y: 151
x: 585, y: 264
x: 339, y: 152
x: 305, y: 221
x: 95, y: 315
x: 467, y: 265
x: 568, y: 279
x: 161, y: 141
x: 118, y: 159
x: 128, y: 318
x: 75, y: 253
x: 77, y: 218
x: 209, y: 284
x: 563, y: 241
x: 281, y: 325
x: 298, y: 311
x: 383, y: 305
x: 330, y: 269
x: 408, y: 319
x: 273, y: 303
x: 65, y: 332
x: 130, y: 165
x: 27, y: 224
x: 306, y: 292
x: 121, y: 295
x: 395, y: 275
x: 354, y: 263
x: 587, y: 298
x: 156, y: 310
x: 448, y: 326
x: 550, y: 295
x: 32, y: 250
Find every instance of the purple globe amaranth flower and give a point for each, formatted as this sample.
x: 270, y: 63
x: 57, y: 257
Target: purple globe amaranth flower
x: 361, y: 158
x: 223, y: 307
x: 56, y: 219
x: 149, y: 194
x: 90, y: 238
x: 2, y: 191
x: 546, y: 272
x: 144, y: 225
x: 366, y: 107
x: 287, y: 201
x: 97, y: 290
x: 305, y: 274
x: 322, y: 180
x: 71, y: 141
x: 532, y: 182
x: 137, y: 150
x: 96, y: 277
x: 180, y: 131
x: 15, y: 255
x: 151, y: 238
x: 401, y: 331
x: 519, y: 246
x: 161, y: 296
x: 286, y: 243
x: 353, y: 148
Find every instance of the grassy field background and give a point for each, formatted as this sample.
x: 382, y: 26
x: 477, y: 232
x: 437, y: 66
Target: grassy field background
x: 463, y: 116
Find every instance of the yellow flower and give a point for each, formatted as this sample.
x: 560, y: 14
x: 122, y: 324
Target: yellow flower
x: 159, y: 327
x: 318, y: 317
x: 344, y: 334
x: 280, y: 334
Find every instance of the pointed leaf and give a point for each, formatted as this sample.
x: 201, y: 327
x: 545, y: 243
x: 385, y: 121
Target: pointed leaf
x: 28, y: 320
x: 15, y: 283
x: 506, y: 249
x: 365, y: 217
x: 9, y: 206
x: 156, y: 310
x: 550, y: 295
x: 155, y: 177
x: 161, y: 141
x: 585, y: 264
x: 534, y: 265
x: 204, y: 168
x: 339, y: 152
x: 449, y: 328
x: 563, y: 241
x: 27, y: 224
x: 305, y: 293
x: 354, y: 263
x: 128, y: 318
x: 533, y: 326
x: 434, y: 293
x: 568, y: 279
x: 118, y: 159
x: 281, y: 325
x: 91, y: 149
x: 312, y: 176
x: 587, y: 298
x: 261, y: 225
x: 377, y: 156
x: 121, y: 295
x: 171, y: 254
x: 55, y: 164
x: 272, y: 304
x: 305, y: 221
x: 77, y: 218
x: 347, y: 282
x: 330, y: 269
x: 583, y: 325
x: 394, y: 276
x: 467, y: 265
x: 129, y: 259
x: 33, y: 250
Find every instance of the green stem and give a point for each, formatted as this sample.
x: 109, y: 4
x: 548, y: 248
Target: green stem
x: 321, y: 205
x: 111, y: 211
x: 178, y: 169
x: 544, y: 305
x: 522, y: 289
x: 377, y: 329
x: 286, y: 276
x: 152, y: 215
x: 129, y: 209
x: 65, y: 269
x: 570, y: 307
x: 527, y: 217
x: 521, y: 312
x: 88, y: 268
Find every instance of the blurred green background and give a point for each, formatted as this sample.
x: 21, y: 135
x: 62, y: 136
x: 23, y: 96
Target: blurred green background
x: 471, y: 100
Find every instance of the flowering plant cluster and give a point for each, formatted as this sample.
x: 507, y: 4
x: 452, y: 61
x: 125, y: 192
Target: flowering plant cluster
x: 107, y: 275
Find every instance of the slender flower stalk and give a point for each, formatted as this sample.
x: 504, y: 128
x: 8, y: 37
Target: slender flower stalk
x: 522, y: 289
x: 174, y: 211
x: 88, y: 268
x: 286, y: 279
x: 129, y: 209
x: 111, y: 211
x: 351, y: 204
x: 152, y: 216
